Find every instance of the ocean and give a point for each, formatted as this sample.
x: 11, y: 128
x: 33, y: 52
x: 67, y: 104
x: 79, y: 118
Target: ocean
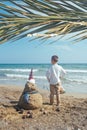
x: 75, y: 80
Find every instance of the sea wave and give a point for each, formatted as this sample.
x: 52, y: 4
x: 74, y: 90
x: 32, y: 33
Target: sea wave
x: 23, y: 76
x: 2, y: 75
x: 77, y: 81
x: 35, y: 70
x: 19, y: 70
x: 5, y: 79
x: 20, y: 76
x: 76, y: 71
x: 40, y: 77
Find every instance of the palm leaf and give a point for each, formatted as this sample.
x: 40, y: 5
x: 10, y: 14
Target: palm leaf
x: 46, y: 18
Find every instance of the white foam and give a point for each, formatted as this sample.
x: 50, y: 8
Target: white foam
x: 16, y: 76
x: 77, y: 81
x: 35, y: 70
x: 19, y: 70
x: 24, y: 76
x: 76, y: 71
x: 39, y: 77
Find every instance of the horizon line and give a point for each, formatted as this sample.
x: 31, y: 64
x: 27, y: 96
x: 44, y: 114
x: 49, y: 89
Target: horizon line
x: 47, y: 63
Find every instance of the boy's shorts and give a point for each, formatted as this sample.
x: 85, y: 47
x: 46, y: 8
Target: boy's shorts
x: 57, y: 87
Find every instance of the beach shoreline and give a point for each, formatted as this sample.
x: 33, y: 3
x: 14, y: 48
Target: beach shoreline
x: 42, y: 91
x: 73, y: 111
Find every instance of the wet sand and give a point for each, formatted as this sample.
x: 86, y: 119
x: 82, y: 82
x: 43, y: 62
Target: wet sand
x: 72, y: 114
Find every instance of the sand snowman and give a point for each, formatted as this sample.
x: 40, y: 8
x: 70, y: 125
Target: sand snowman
x: 30, y: 98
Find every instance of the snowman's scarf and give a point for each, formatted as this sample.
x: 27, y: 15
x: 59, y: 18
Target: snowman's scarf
x: 26, y: 96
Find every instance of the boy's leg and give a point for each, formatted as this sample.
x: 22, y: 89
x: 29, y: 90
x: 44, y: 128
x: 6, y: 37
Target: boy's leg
x: 57, y: 89
x: 51, y: 94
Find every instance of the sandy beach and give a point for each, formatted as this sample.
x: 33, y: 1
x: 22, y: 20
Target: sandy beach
x: 72, y: 114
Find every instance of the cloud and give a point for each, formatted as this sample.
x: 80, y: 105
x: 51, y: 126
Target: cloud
x: 63, y: 47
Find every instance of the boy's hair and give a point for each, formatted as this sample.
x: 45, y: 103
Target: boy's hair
x: 54, y: 58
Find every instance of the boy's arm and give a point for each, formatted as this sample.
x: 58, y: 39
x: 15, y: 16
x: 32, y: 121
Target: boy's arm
x: 48, y: 75
x: 63, y: 72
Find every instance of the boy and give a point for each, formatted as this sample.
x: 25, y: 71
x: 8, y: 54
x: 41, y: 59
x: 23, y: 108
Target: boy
x: 53, y: 75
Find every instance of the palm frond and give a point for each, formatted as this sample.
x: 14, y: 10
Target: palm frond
x: 46, y: 18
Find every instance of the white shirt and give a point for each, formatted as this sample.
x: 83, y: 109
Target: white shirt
x: 54, y: 73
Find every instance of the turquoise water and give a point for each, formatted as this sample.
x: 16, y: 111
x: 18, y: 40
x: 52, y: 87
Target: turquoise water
x: 17, y: 74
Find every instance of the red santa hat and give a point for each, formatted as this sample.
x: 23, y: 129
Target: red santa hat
x: 31, y: 79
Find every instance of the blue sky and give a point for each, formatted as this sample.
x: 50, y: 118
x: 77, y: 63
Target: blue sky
x: 23, y: 51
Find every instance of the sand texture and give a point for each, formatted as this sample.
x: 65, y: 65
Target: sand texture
x: 72, y: 114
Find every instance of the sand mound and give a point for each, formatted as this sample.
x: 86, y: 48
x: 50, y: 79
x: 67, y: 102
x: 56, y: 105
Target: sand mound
x: 34, y: 99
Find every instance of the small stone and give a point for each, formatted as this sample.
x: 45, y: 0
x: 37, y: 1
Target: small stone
x: 27, y: 116
x: 21, y: 111
x: 83, y: 124
x: 45, y: 112
x: 58, y: 109
x: 24, y: 117
x: 42, y: 109
x: 29, y: 112
x: 31, y: 116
